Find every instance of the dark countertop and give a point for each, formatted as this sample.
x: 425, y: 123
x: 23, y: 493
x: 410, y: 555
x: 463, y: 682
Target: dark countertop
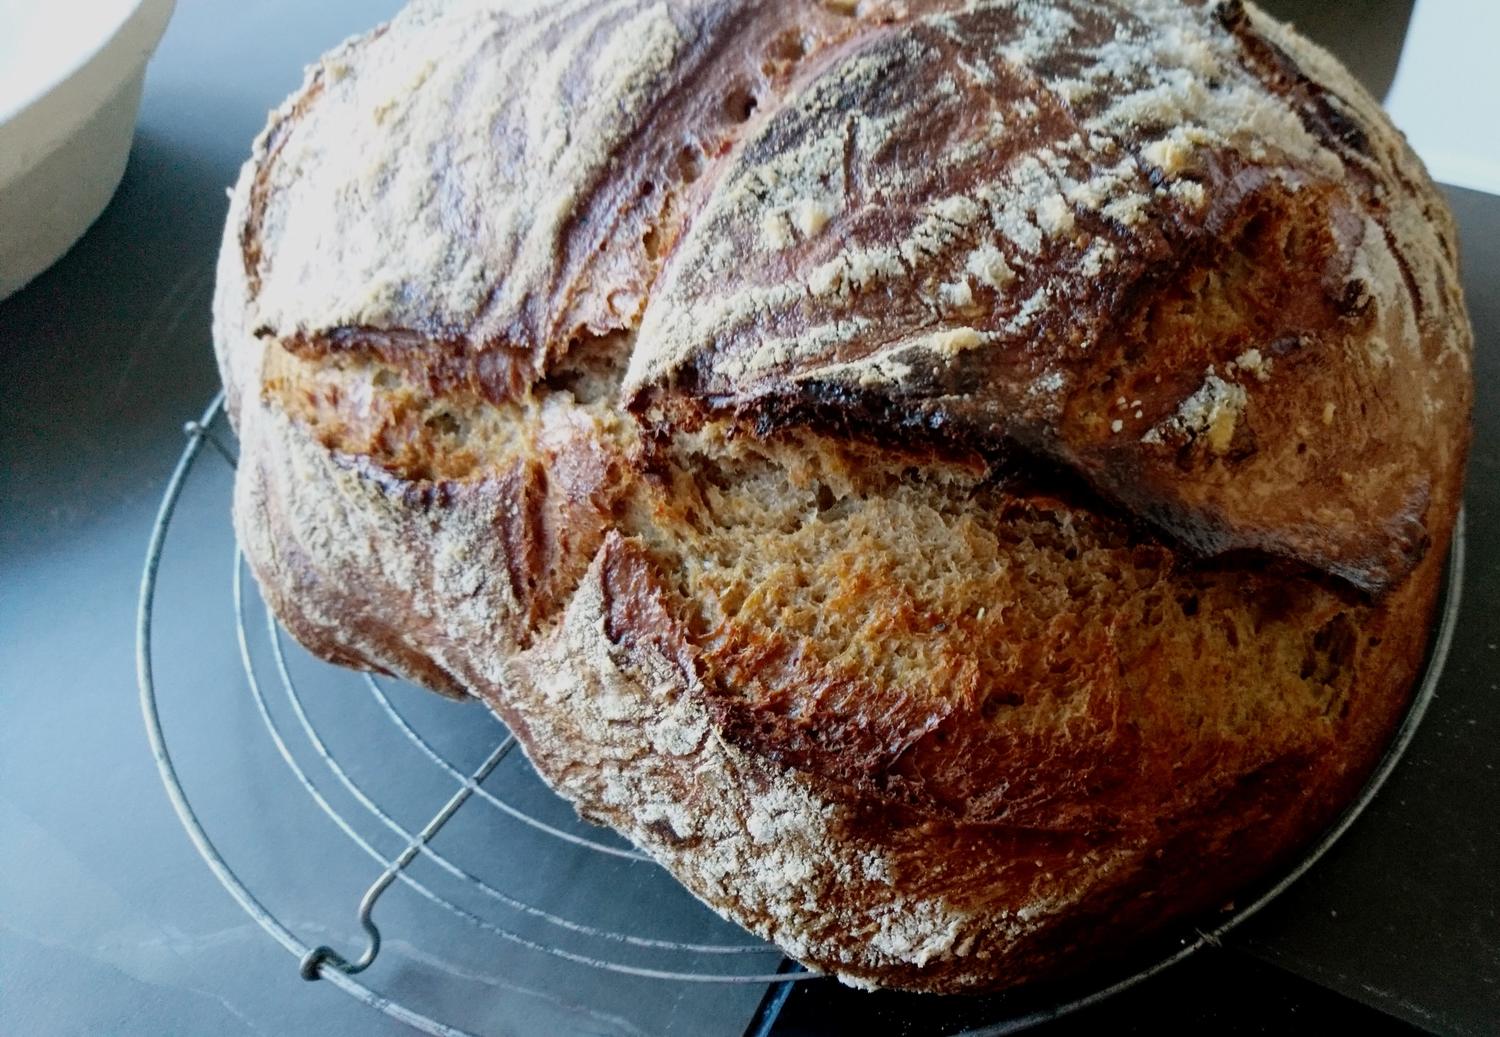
x: 111, y: 923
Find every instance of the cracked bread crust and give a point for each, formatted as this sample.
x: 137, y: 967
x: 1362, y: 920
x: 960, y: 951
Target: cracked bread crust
x: 859, y: 889
x: 612, y: 709
x: 928, y: 682
x: 1115, y: 205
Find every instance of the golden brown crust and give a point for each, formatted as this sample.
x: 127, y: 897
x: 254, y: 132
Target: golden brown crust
x: 1001, y: 553
x: 1015, y: 290
x: 937, y: 648
x: 554, y: 106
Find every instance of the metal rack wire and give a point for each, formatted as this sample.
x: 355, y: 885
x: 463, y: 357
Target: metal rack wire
x: 325, y: 962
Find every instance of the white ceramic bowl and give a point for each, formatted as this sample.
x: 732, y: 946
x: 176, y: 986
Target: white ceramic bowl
x: 70, y: 86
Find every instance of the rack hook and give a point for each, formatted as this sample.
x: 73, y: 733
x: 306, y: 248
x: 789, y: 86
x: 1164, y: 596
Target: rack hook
x: 314, y: 960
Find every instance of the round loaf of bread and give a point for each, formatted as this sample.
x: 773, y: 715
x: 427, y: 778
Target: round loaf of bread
x: 960, y: 483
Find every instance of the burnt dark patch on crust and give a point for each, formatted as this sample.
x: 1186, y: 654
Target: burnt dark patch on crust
x: 1326, y: 116
x: 1321, y: 112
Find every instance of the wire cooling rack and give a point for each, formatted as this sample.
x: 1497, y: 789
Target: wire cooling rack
x: 497, y: 913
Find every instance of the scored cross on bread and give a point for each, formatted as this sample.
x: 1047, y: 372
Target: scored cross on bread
x: 960, y: 484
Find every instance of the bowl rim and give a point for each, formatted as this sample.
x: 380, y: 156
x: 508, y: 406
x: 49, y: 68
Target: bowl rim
x: 39, y: 119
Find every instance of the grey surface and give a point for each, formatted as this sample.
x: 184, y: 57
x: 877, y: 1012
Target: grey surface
x: 109, y: 923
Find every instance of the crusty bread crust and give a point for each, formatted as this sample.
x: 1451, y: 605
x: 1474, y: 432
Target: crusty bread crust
x: 609, y: 708
x: 1149, y: 665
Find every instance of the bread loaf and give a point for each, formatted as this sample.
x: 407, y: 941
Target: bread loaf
x: 960, y: 484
